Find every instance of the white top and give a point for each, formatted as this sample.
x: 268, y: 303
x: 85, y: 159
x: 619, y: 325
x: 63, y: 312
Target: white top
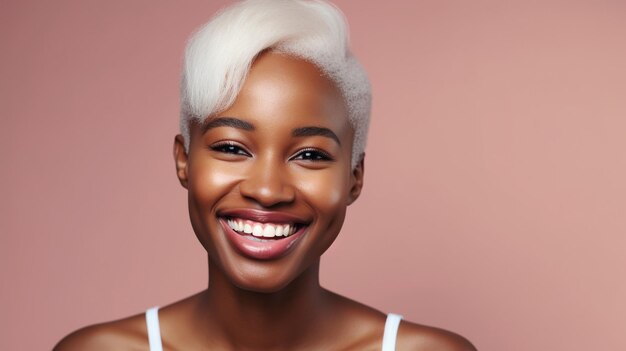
x: 154, y: 330
x: 391, y: 331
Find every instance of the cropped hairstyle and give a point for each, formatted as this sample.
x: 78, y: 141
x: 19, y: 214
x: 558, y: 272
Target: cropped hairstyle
x: 219, y: 55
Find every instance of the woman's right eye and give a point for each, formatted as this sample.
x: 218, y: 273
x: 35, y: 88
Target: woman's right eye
x: 229, y: 148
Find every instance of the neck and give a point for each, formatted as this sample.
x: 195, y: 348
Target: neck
x: 245, y: 319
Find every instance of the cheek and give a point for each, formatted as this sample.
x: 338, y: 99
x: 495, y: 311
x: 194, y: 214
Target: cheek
x: 326, y: 191
x: 208, y: 181
x: 327, y: 194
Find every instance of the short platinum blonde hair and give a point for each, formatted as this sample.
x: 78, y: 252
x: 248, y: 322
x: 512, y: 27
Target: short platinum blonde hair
x: 219, y: 55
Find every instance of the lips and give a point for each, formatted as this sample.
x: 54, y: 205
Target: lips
x: 260, y: 234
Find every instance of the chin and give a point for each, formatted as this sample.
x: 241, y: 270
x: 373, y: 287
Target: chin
x: 261, y: 278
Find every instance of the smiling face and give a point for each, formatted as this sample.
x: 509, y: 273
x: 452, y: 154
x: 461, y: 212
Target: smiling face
x: 269, y: 178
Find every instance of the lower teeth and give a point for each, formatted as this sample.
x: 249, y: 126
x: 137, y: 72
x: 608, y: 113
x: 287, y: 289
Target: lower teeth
x: 254, y: 238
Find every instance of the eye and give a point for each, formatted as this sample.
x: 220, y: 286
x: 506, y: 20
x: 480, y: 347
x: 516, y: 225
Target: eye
x: 312, y: 155
x: 229, y: 148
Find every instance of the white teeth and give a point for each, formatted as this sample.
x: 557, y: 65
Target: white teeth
x: 257, y: 230
x: 261, y: 229
x: 269, y: 231
x: 247, y: 228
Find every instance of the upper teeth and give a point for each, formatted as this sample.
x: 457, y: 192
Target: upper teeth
x: 268, y: 230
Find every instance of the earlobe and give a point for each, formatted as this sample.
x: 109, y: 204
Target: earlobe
x: 180, y: 160
x: 357, y: 180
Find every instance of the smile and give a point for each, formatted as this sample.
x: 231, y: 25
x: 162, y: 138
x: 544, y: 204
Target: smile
x: 262, y: 230
x: 262, y: 235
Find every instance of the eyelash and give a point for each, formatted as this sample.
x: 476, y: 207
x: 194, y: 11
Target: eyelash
x: 314, y: 155
x: 317, y: 155
x: 228, y: 147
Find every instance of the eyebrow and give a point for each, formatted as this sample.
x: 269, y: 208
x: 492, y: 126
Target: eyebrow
x: 241, y: 124
x: 312, y: 131
x: 227, y: 122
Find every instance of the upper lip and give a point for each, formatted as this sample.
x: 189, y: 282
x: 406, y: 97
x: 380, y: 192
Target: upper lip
x: 263, y: 216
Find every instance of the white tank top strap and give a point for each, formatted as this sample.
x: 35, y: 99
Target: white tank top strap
x: 391, y: 331
x: 154, y: 330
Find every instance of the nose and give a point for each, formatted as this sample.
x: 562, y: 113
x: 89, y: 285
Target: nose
x: 267, y: 182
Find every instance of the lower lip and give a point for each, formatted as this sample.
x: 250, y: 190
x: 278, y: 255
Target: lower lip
x: 261, y: 250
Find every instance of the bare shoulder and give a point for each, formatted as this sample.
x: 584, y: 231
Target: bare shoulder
x: 127, y: 334
x: 412, y: 336
x: 365, y: 326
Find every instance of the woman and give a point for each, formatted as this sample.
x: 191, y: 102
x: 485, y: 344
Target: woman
x: 274, y: 117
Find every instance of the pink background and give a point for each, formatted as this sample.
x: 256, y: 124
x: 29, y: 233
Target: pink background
x: 494, y: 202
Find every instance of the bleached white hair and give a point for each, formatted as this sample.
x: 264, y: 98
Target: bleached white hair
x: 219, y: 55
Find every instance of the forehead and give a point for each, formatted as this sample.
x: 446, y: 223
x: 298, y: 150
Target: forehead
x: 282, y: 90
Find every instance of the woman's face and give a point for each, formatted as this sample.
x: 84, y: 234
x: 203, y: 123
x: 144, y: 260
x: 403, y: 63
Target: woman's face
x: 269, y: 178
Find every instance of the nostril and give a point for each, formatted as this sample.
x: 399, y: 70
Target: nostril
x: 267, y: 193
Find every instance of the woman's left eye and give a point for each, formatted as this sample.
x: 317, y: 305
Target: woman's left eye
x: 312, y: 155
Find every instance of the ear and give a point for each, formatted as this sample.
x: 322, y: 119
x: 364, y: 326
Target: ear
x: 180, y: 159
x: 357, y: 180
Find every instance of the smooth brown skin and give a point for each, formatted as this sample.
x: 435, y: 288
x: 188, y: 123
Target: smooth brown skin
x: 277, y: 304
